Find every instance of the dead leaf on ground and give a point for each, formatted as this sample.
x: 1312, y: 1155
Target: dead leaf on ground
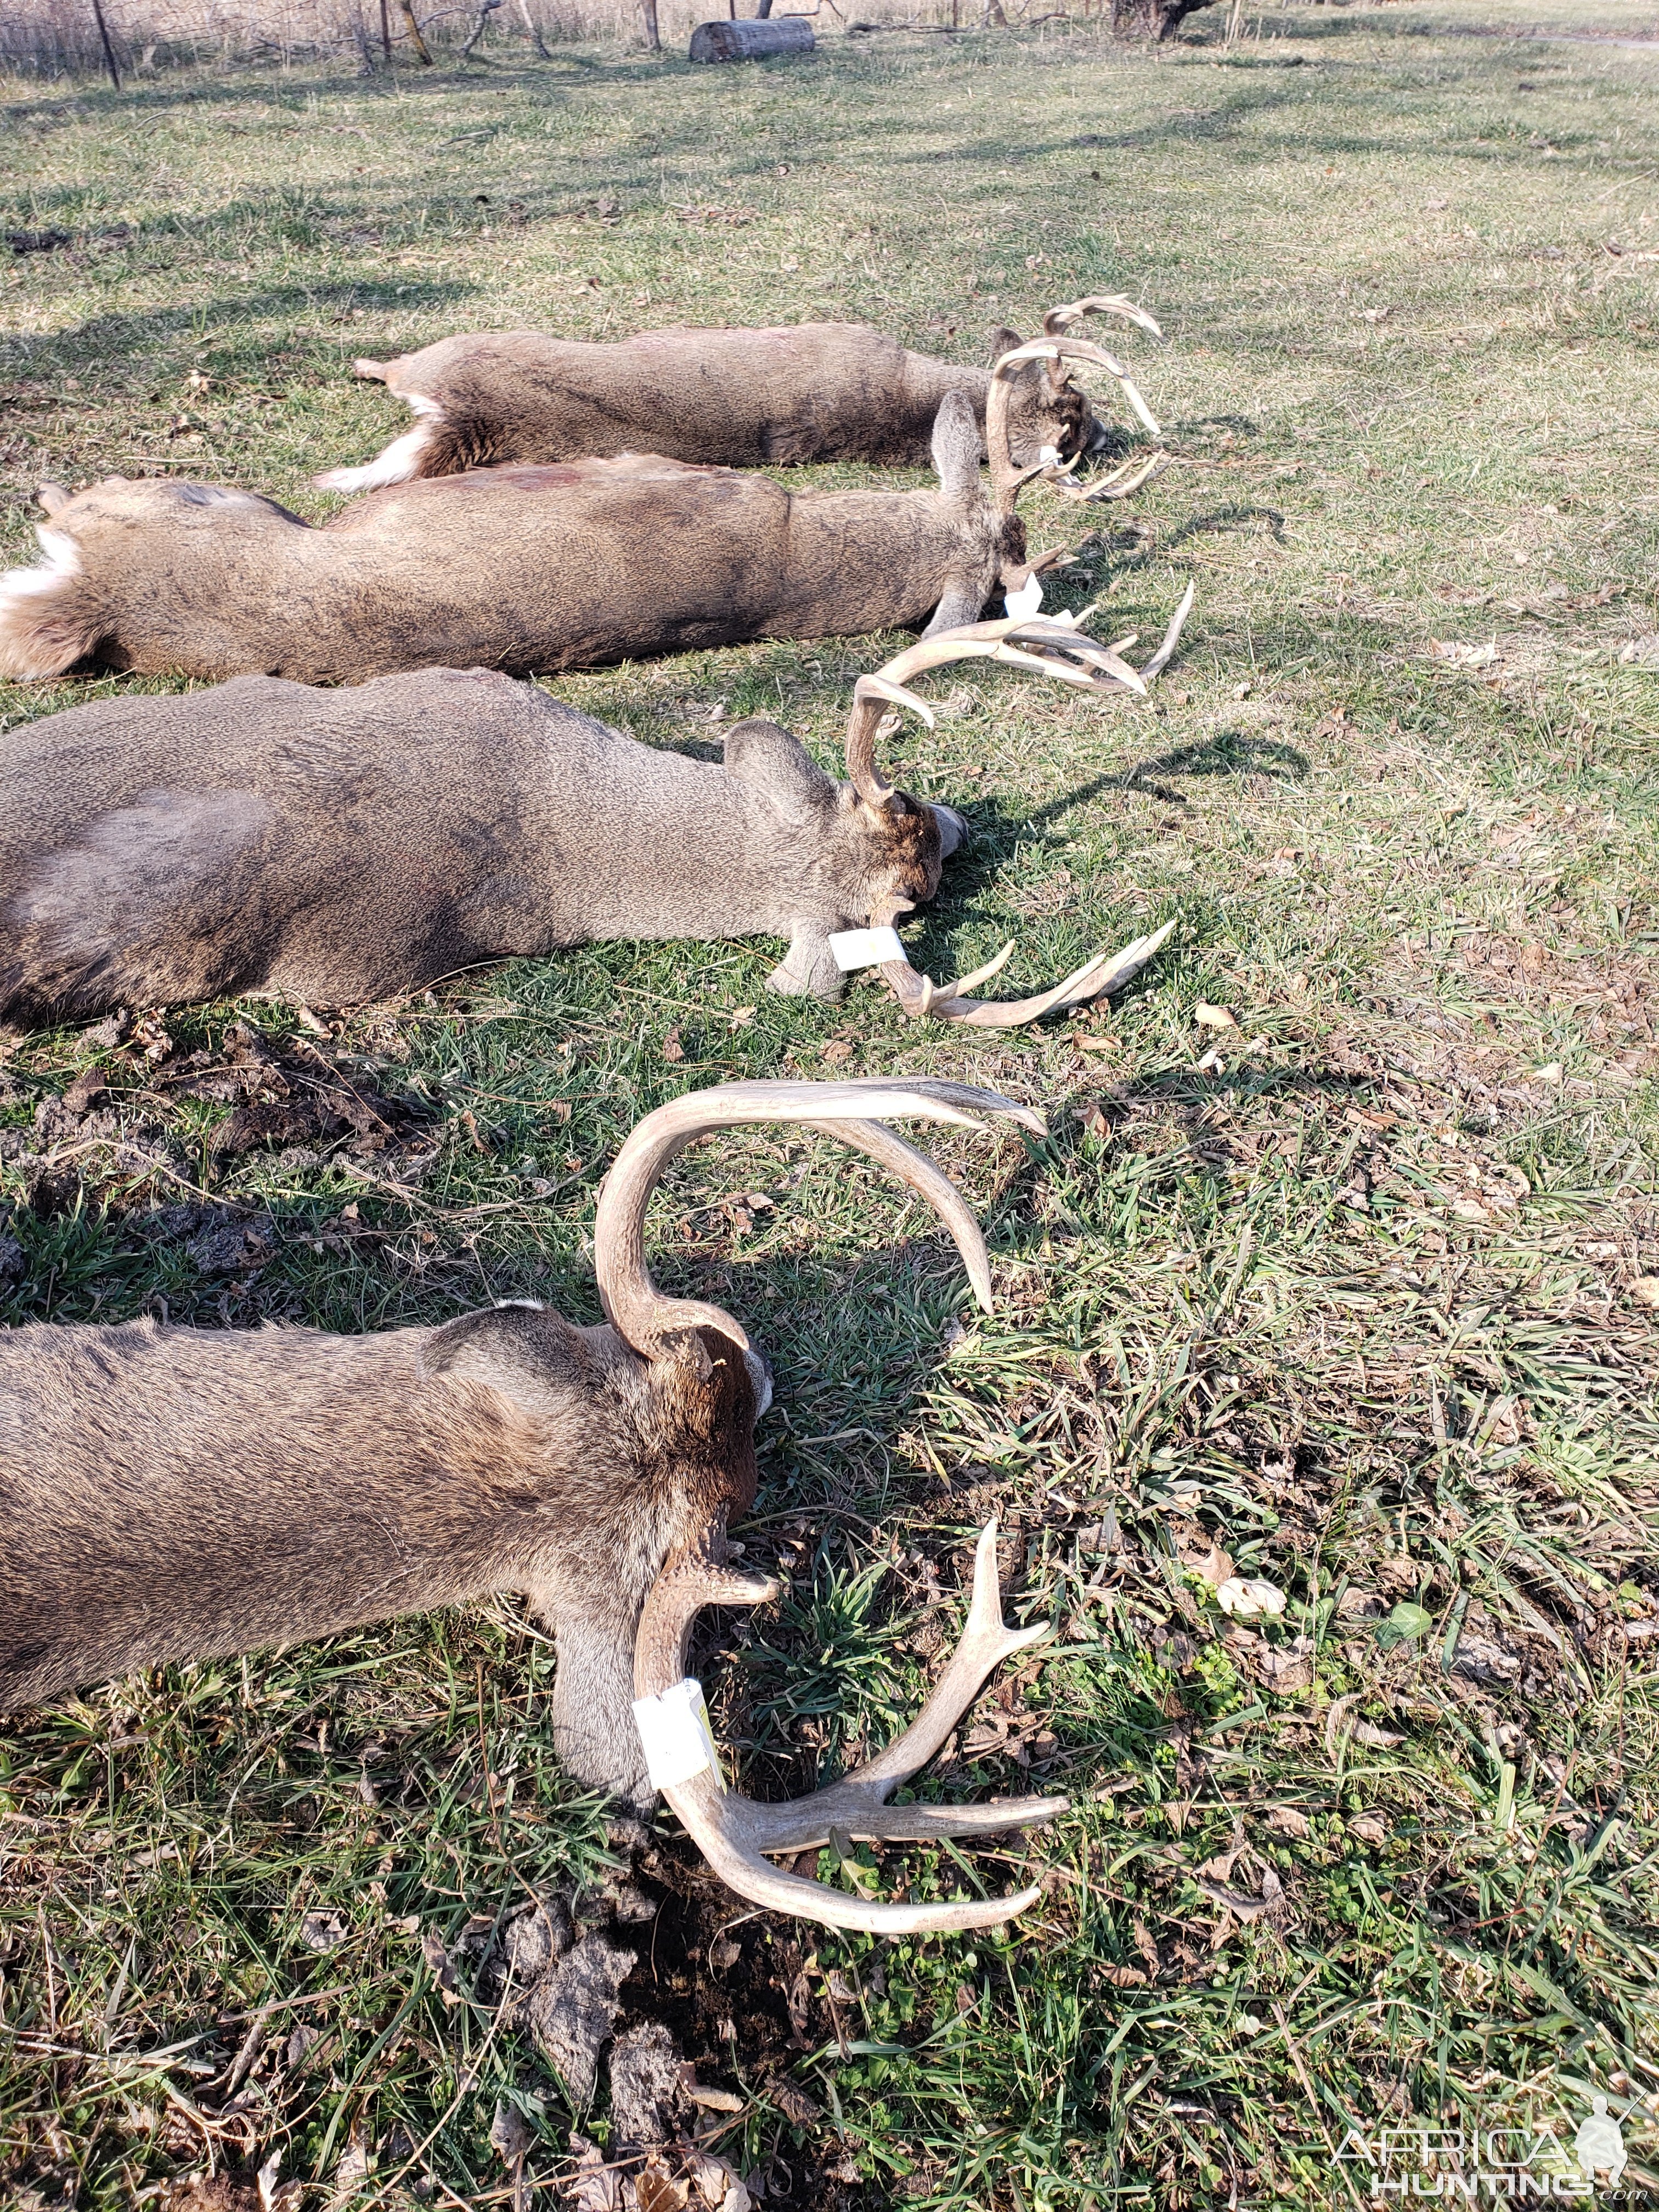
x: 595, y: 2186
x: 1214, y: 1565
x: 1286, y: 1820
x: 437, y: 1959
x: 323, y: 1931
x: 1456, y: 654
x: 793, y: 2102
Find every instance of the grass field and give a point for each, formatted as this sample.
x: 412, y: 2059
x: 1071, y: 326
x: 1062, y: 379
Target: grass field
x: 1359, y: 1291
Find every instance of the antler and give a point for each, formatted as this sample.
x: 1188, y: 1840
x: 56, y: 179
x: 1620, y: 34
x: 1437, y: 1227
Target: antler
x: 1055, y: 648
x: 923, y: 999
x: 1058, y: 320
x: 1129, y: 477
x: 1007, y: 477
x: 734, y: 1831
x: 1058, y: 649
x: 646, y: 1318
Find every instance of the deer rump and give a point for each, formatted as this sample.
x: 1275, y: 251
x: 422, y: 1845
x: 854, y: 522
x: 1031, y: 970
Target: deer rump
x: 527, y: 569
x: 744, y: 398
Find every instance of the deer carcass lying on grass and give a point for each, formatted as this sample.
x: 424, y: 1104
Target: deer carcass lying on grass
x: 815, y: 391
x: 172, y: 1493
x: 338, y: 848
x: 535, y: 567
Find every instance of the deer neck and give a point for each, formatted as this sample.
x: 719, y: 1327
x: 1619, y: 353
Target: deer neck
x: 867, y: 561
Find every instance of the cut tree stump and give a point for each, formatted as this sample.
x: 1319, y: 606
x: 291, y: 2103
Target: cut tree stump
x: 751, y: 39
x: 1153, y: 19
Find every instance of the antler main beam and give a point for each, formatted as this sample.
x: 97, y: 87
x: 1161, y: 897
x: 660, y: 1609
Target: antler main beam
x: 1058, y: 320
x: 853, y: 1110
x: 735, y: 1832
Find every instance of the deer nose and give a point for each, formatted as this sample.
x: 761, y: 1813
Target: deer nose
x: 760, y: 1374
x: 952, y: 830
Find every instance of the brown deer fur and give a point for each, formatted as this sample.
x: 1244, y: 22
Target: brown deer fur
x: 572, y: 565
x: 343, y: 846
x: 815, y: 391
x: 172, y: 1493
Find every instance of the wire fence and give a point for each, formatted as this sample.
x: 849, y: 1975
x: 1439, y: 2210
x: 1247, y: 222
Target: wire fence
x: 138, y: 37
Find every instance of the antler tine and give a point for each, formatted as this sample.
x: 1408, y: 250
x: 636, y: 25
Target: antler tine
x: 1160, y: 659
x: 1097, y: 978
x: 987, y: 640
x: 1120, y: 485
x: 733, y: 1831
x: 1058, y: 320
x: 646, y: 1318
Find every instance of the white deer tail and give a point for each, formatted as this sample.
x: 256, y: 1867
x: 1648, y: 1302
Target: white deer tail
x: 401, y: 462
x: 51, y: 616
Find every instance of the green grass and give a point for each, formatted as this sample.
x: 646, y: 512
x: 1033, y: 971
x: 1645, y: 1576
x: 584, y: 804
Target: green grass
x: 1364, y: 1302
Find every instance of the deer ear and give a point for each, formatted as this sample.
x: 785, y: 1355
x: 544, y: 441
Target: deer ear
x: 956, y: 448
x: 1003, y: 341
x: 769, y: 760
x: 523, y: 1350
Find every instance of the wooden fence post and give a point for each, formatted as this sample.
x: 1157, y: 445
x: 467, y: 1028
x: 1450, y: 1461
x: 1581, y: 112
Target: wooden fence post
x: 109, y: 51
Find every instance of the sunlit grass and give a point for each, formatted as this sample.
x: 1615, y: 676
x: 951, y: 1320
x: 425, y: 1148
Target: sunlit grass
x: 1360, y: 1303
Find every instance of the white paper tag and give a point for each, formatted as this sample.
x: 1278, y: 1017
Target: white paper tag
x: 864, y: 948
x: 1026, y: 602
x: 674, y: 1729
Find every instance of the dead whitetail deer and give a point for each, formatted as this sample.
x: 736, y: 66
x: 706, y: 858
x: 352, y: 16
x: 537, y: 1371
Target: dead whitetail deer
x: 169, y: 1494
x: 741, y: 398
x: 340, y: 847
x: 525, y: 568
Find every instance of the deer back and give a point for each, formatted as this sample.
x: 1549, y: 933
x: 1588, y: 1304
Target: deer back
x: 744, y: 398
x: 522, y: 568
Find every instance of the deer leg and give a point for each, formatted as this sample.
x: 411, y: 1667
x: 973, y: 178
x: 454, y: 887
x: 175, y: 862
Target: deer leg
x: 808, y: 969
x: 593, y: 1702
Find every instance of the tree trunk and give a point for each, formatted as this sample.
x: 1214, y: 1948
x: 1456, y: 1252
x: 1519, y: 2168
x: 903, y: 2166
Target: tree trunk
x: 534, y: 27
x: 648, y: 24
x: 416, y: 38
x: 751, y: 39
x: 109, y: 51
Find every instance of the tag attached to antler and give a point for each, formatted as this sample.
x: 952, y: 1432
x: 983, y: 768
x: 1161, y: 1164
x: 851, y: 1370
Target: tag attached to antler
x: 864, y: 948
x: 1026, y: 601
x: 674, y: 1730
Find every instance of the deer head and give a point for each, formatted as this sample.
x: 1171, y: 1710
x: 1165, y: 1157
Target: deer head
x: 1046, y: 408
x: 1058, y: 649
x: 1009, y: 403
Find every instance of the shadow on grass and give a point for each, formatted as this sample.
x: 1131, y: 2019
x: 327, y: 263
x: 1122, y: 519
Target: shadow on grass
x: 1230, y: 752
x: 107, y: 339
x: 1238, y: 514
